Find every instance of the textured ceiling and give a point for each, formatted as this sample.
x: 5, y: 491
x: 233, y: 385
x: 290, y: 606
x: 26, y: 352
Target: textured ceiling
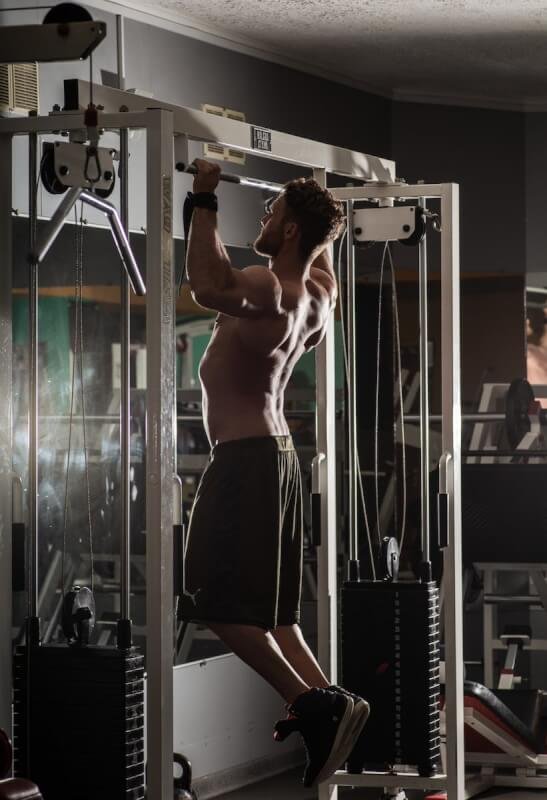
x: 482, y: 51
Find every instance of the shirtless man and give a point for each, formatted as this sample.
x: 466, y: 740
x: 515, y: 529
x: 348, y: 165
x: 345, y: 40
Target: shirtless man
x: 243, y: 565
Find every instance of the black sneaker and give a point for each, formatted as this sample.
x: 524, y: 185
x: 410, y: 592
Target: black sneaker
x: 360, y: 704
x: 329, y: 728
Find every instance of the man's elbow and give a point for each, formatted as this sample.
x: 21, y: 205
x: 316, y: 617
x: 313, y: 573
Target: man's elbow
x: 203, y: 296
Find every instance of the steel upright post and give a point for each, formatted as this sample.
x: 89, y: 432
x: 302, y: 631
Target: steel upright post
x: 326, y: 459
x: 124, y: 634
x: 424, y: 396
x: 6, y: 405
x: 352, y: 400
x: 450, y: 485
x: 160, y: 453
x: 33, y: 384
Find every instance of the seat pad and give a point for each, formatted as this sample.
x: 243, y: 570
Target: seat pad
x: 19, y: 789
x: 500, y: 708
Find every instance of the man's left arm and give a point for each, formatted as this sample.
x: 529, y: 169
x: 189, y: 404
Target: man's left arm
x: 213, y: 281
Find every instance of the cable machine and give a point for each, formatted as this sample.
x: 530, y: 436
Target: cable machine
x: 390, y: 629
x: 164, y: 124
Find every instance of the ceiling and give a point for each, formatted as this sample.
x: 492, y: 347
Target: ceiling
x: 475, y: 52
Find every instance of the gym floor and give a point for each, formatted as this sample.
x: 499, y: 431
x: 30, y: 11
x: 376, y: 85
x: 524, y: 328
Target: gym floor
x: 288, y: 786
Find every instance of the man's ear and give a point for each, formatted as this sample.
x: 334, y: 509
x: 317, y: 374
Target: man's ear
x: 290, y: 230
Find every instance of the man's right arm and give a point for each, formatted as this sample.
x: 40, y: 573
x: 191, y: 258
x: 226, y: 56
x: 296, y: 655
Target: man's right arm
x: 322, y: 272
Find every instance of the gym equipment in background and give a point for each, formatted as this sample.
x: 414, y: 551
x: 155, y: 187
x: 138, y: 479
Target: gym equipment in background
x: 13, y: 788
x: 67, y: 33
x: 390, y: 656
x: 78, y: 699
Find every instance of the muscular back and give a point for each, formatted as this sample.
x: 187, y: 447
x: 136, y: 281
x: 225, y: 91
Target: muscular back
x: 248, y: 363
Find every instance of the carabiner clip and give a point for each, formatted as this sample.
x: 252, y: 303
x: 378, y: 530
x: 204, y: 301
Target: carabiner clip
x: 92, y: 153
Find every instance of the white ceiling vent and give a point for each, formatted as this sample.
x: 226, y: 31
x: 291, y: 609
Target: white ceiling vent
x: 19, y: 88
x: 215, y: 150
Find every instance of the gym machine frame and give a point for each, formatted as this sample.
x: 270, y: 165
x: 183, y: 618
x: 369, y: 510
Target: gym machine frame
x: 166, y: 125
x: 449, y: 469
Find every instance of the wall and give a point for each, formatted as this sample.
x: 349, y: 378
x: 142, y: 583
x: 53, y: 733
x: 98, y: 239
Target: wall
x: 485, y: 152
x: 536, y: 203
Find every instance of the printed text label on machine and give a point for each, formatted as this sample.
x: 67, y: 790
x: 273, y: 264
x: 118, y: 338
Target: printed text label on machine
x: 261, y: 139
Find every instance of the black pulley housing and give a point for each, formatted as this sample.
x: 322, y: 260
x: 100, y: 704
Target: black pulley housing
x: 419, y: 229
x: 89, y: 159
x: 51, y: 182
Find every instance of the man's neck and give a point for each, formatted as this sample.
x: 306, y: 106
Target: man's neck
x: 287, y: 266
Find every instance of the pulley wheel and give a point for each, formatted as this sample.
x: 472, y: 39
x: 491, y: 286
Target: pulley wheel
x: 518, y: 399
x: 51, y: 182
x: 67, y: 12
x: 419, y: 229
x: 78, y: 615
x: 389, y: 559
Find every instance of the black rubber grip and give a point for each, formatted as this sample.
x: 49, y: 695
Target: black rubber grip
x: 178, y: 560
x: 316, y: 519
x: 18, y: 556
x: 442, y: 519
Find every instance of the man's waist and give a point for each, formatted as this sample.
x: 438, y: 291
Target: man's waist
x: 282, y: 443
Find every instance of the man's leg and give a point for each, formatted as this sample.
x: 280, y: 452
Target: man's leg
x: 258, y: 648
x: 298, y: 654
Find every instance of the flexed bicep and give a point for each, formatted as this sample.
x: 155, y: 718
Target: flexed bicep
x: 254, y: 292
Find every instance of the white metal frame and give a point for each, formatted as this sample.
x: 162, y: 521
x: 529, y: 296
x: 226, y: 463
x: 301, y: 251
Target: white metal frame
x: 517, y: 766
x: 493, y: 598
x: 162, y: 123
x: 449, y: 483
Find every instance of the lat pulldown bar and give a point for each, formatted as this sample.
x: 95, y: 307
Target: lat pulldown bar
x: 118, y: 233
x: 254, y: 183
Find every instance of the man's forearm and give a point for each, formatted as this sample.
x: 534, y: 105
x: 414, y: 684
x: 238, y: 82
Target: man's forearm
x: 207, y: 261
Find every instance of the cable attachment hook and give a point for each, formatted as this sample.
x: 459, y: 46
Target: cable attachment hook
x: 435, y: 220
x: 91, y: 119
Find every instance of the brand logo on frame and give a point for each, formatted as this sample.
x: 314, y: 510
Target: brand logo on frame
x: 261, y: 139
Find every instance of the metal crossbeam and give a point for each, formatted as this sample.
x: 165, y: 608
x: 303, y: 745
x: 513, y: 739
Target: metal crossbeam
x: 203, y: 127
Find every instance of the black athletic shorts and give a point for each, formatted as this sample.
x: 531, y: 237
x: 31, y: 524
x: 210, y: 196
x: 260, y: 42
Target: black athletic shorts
x: 243, y: 559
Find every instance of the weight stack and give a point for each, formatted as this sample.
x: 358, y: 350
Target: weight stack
x: 83, y: 713
x: 390, y: 656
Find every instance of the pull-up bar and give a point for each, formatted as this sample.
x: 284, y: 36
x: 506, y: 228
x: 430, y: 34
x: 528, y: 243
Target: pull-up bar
x: 228, y: 177
x: 120, y: 238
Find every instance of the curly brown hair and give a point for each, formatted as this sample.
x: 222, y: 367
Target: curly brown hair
x: 318, y: 215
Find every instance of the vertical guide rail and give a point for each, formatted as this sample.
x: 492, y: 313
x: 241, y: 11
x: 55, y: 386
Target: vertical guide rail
x: 352, y: 400
x: 6, y: 432
x: 33, y: 384
x: 125, y: 390
x: 424, y: 396
x: 160, y: 453
x: 124, y: 632
x: 325, y: 416
x: 451, y: 443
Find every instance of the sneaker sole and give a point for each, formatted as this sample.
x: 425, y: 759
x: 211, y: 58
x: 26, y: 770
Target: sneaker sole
x: 348, y: 733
